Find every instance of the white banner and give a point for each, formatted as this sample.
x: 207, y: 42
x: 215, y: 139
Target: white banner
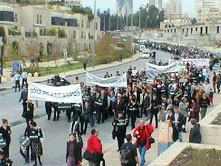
x: 117, y: 81
x: 63, y: 94
x: 174, y: 67
x: 198, y: 63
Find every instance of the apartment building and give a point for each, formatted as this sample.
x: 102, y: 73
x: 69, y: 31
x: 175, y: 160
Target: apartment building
x: 193, y: 34
x: 173, y: 9
x: 208, y: 10
x: 23, y: 24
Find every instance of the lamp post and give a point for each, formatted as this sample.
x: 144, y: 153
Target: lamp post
x: 94, y: 41
x: 132, y: 49
x: 2, y: 55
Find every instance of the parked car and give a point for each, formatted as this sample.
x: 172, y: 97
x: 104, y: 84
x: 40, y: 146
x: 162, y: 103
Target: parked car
x: 146, y: 54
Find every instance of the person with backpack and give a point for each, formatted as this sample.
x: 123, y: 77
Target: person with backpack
x: 143, y: 139
x: 128, y: 153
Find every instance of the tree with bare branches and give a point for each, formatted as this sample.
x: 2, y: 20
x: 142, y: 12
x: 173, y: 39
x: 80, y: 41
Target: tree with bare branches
x: 33, y: 48
x: 56, y: 50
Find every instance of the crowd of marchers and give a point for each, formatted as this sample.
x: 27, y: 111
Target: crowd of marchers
x: 176, y: 98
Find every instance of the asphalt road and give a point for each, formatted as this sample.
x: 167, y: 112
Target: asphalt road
x: 56, y: 133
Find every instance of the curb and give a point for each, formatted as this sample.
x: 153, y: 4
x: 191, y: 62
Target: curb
x: 92, y: 70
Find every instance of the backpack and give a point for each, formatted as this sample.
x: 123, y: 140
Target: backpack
x: 126, y: 156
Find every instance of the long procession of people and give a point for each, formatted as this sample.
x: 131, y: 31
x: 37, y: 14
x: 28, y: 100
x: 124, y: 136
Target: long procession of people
x: 174, y: 97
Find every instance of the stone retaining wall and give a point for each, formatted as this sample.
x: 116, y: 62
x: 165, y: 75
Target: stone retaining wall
x: 211, y: 134
x: 176, y: 149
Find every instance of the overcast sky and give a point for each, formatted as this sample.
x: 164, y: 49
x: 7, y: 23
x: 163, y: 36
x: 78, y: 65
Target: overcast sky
x: 188, y: 5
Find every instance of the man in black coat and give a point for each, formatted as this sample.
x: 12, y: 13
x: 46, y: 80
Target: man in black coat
x: 177, y: 120
x: 155, y: 106
x: 195, y: 135
x: 120, y: 128
x: 24, y: 98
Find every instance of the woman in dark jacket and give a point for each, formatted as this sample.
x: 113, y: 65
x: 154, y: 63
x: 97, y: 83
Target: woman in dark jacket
x: 74, y: 152
x: 35, y: 135
x: 29, y: 114
x: 194, y: 112
x: 6, y: 131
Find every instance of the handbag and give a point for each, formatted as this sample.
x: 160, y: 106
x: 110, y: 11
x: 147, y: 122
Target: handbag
x: 90, y: 156
x: 152, y: 140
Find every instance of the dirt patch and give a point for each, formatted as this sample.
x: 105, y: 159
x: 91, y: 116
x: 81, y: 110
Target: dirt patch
x: 194, y: 157
x: 217, y: 121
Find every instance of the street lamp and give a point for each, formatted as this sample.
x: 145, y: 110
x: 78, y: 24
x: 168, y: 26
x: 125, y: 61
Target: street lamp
x: 94, y: 42
x: 2, y: 54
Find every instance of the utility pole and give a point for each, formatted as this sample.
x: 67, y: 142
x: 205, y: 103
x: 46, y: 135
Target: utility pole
x: 94, y: 41
x: 104, y: 29
x: 109, y: 22
x: 140, y: 19
x: 117, y: 21
x: 2, y: 55
x: 132, y: 49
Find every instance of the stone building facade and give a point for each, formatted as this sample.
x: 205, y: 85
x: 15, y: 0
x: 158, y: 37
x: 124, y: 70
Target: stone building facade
x: 44, y: 25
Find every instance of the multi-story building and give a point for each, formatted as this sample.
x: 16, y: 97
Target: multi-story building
x: 192, y: 34
x: 73, y: 3
x: 124, y: 7
x: 26, y: 23
x: 207, y: 10
x: 157, y: 3
x: 173, y: 9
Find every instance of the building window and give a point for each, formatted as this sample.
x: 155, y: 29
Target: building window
x: 16, y: 17
x: 218, y: 29
x: 206, y: 30
x: 82, y: 34
x: 196, y: 29
x: 37, y: 19
x: 171, y: 30
x: 174, y: 30
x: 6, y: 16
x: 96, y: 26
x: 191, y: 30
x: 183, y: 30
x: 82, y: 23
x: 74, y: 35
x: 40, y: 19
x: 201, y: 30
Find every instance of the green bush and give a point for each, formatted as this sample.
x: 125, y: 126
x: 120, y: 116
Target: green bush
x: 61, y: 33
x: 48, y: 32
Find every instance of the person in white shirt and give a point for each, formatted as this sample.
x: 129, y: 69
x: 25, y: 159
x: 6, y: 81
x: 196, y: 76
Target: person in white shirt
x: 24, y: 76
x: 204, y: 74
x: 207, y: 87
x: 17, y: 78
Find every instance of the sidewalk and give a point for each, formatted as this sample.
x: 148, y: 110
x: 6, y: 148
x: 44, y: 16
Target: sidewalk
x: 9, y: 85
